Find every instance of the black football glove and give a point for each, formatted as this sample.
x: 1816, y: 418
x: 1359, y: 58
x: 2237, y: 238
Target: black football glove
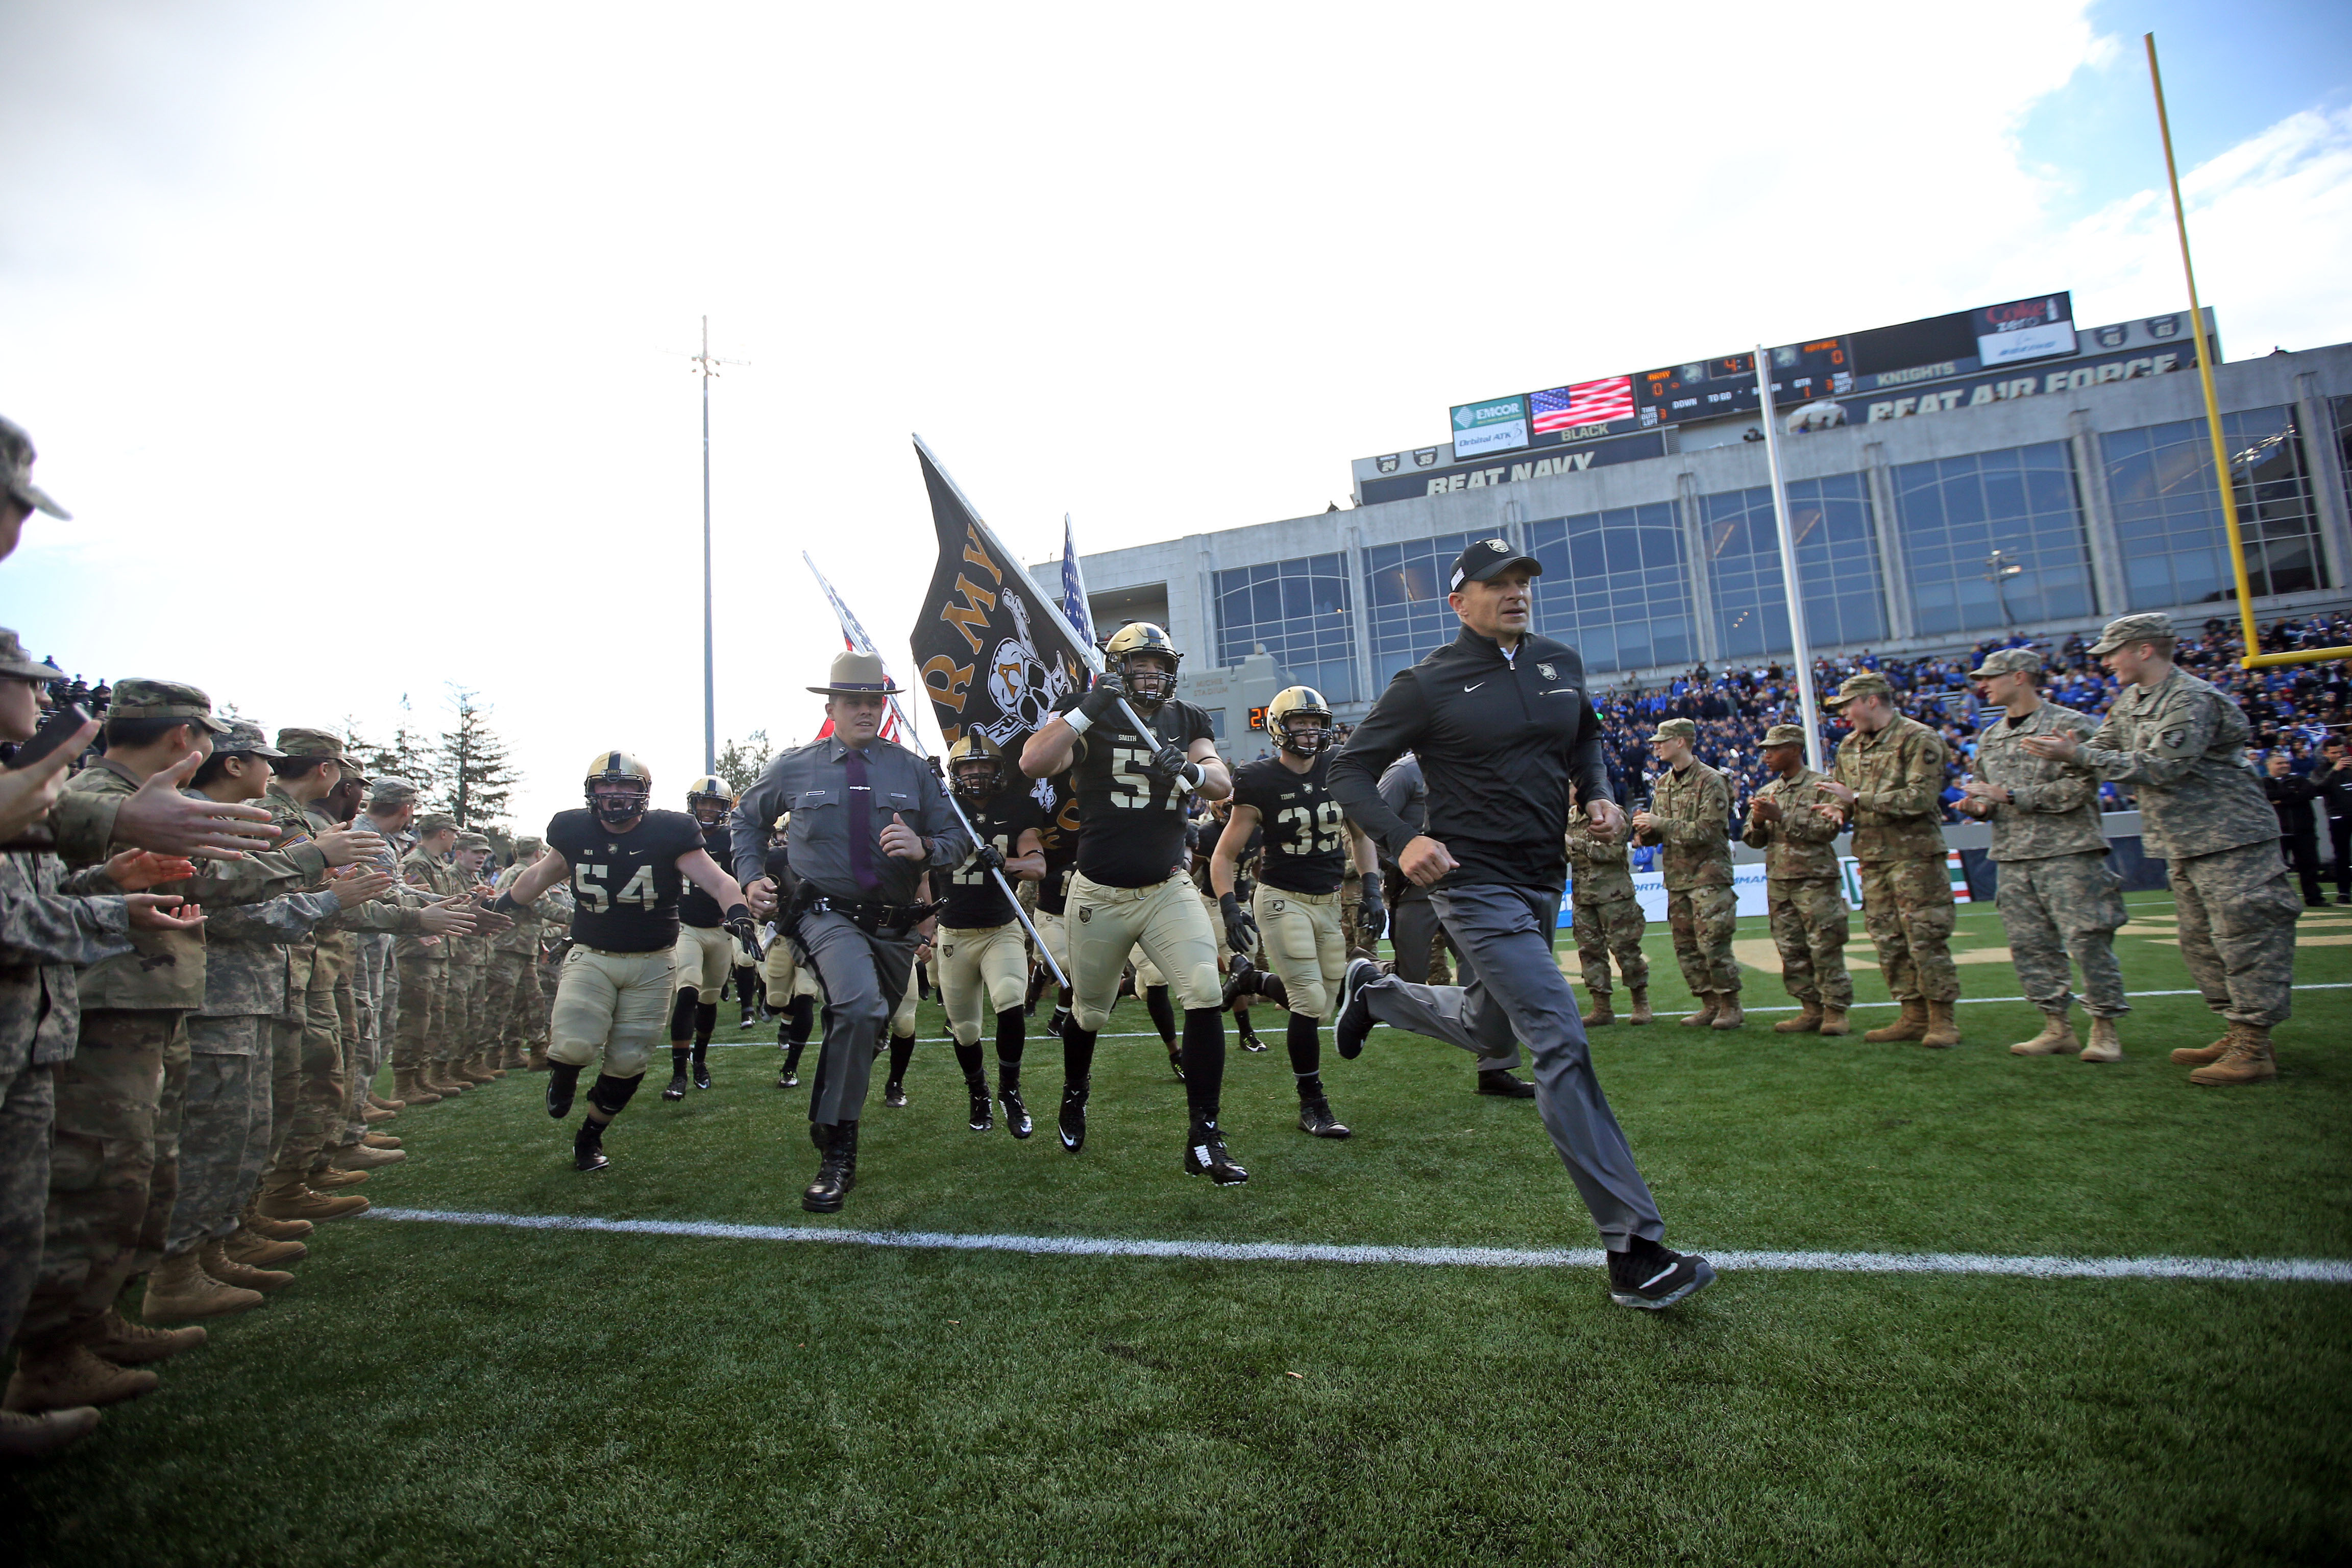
x: 506, y: 904
x: 1171, y: 763
x: 740, y: 926
x: 1102, y: 696
x: 1372, y: 914
x: 1241, y: 931
x: 988, y: 858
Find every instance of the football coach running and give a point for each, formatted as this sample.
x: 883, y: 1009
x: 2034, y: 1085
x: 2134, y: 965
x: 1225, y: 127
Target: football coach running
x: 1503, y: 727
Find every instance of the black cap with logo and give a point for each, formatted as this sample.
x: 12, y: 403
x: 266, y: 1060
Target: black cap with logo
x: 1489, y: 558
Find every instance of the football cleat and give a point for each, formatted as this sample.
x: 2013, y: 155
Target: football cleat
x: 983, y: 1115
x: 1074, y: 1117
x: 701, y: 1074
x: 1355, y: 1017
x: 588, y: 1146
x: 1250, y: 1042
x: 562, y: 1080
x: 788, y: 1078
x: 1016, y: 1114
x: 677, y: 1088
x: 1648, y: 1277
x: 1205, y: 1155
x: 1176, y: 1061
x: 894, y: 1095
x: 1315, y: 1117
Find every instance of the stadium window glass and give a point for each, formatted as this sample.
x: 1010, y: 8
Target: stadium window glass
x: 1298, y: 612
x: 1957, y: 514
x: 2169, y: 513
x: 1616, y: 587
x: 1837, y: 562
x: 1404, y: 598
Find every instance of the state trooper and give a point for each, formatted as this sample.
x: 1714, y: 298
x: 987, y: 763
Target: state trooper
x: 867, y: 819
x: 2057, y: 897
x: 1690, y: 814
x: 2181, y: 744
x: 1795, y: 822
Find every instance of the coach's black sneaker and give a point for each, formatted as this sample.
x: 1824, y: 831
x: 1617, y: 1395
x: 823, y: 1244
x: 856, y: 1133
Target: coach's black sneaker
x: 1315, y: 1117
x: 1355, y: 1017
x: 1074, y: 1117
x: 1016, y: 1114
x: 984, y: 1115
x: 562, y: 1080
x: 1205, y: 1154
x: 1500, y: 1081
x: 588, y: 1146
x: 1646, y: 1275
x: 894, y: 1095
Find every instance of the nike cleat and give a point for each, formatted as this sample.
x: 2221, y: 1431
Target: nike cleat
x: 1648, y: 1277
x: 1074, y: 1117
x: 562, y: 1081
x: 677, y: 1087
x: 983, y: 1116
x: 894, y: 1095
x: 588, y: 1147
x: 1016, y: 1114
x: 702, y: 1075
x: 1315, y: 1117
x: 1355, y: 1017
x: 1176, y: 1061
x: 1205, y: 1155
x: 1250, y: 1042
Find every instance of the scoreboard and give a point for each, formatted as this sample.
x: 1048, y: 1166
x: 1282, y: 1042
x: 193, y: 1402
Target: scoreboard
x: 1801, y: 373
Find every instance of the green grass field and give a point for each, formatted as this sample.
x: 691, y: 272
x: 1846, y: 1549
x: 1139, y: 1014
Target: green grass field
x: 430, y: 1393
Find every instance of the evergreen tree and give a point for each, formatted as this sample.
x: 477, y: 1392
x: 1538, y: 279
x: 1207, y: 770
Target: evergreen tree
x: 473, y: 774
x: 408, y: 757
x: 740, y: 762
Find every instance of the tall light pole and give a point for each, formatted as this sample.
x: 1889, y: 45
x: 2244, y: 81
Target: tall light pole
x: 706, y: 367
x: 1801, y: 644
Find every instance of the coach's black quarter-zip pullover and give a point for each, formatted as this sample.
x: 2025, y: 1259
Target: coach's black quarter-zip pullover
x: 1500, y: 739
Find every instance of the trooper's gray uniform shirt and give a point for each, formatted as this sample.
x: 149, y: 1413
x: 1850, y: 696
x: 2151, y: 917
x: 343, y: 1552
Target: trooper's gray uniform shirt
x: 862, y: 973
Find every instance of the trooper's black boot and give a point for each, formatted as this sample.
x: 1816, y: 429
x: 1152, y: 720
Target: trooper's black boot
x: 1205, y: 1155
x: 837, y: 1173
x: 588, y: 1146
x: 1074, y: 1117
x: 562, y: 1080
x: 983, y: 1116
x: 676, y: 1087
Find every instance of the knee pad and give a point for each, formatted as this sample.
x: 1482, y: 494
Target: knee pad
x: 683, y: 1008
x: 573, y: 1054
x: 609, y: 1094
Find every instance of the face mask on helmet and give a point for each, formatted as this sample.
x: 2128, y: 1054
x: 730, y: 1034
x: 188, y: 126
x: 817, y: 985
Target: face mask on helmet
x: 1306, y: 734
x: 619, y: 801
x: 708, y: 809
x: 976, y: 778
x: 1150, y: 678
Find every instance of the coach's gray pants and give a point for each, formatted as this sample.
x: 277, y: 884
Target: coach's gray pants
x: 863, y: 977
x: 1517, y: 991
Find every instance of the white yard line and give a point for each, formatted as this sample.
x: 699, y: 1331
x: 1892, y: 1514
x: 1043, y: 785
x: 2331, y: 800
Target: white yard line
x: 2322, y: 1271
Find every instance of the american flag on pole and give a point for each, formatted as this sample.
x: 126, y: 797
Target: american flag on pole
x: 1585, y: 403
x: 853, y: 639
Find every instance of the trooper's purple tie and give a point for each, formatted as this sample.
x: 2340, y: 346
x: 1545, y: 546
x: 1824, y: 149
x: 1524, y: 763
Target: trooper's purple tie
x: 859, y: 822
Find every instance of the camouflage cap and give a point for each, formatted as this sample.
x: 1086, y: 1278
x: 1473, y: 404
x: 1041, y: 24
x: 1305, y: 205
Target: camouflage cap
x: 2006, y: 661
x: 2127, y: 629
x: 138, y: 698
x: 438, y: 822
x: 1866, y: 683
x: 472, y: 841
x: 1676, y: 730
x: 1785, y: 735
x: 301, y: 743
x: 15, y: 664
x: 392, y: 792
x: 17, y: 457
x: 530, y: 845
x: 244, y: 736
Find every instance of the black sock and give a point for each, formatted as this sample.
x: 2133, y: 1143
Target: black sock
x: 902, y: 1051
x: 1204, y: 1060
x: 1242, y: 1021
x: 1163, y: 1014
x: 1305, y: 1044
x: 677, y: 1055
x: 706, y: 1020
x: 1077, y: 1054
x: 681, y: 1016
x: 973, y: 1062
x: 1012, y: 1040
x: 800, y: 1017
x: 793, y: 1057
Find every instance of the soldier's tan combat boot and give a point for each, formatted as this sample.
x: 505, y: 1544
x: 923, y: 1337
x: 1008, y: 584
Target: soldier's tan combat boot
x: 463, y: 1070
x: 2198, y: 1055
x: 64, y: 1374
x: 1705, y: 1014
x: 1728, y: 1015
x: 1641, y: 1013
x: 270, y: 1228
x: 1834, y: 1021
x: 443, y: 1078
x: 374, y: 1117
x: 125, y: 1343
x: 360, y: 1157
x: 2248, y: 1059
x: 327, y: 1179
x: 411, y: 1089
x: 1599, y: 1013
x: 255, y: 1250
x: 1805, y: 1023
x: 379, y: 1141
x: 1943, y: 1030
x: 378, y: 1102
x: 2056, y: 1038
x: 214, y: 1259
x: 179, y: 1291
x: 1909, y: 1025
x: 2105, y: 1045
x: 539, y: 1062
x: 24, y: 1436
x: 293, y: 1200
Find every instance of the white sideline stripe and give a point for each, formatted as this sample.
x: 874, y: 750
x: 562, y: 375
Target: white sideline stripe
x: 2322, y: 1271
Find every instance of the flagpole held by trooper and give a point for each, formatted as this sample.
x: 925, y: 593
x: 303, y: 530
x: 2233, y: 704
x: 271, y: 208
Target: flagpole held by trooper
x: 851, y: 629
x: 1796, y: 592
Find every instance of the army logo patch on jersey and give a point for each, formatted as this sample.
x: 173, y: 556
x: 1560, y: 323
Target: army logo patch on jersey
x: 1084, y: 916
x: 1547, y: 672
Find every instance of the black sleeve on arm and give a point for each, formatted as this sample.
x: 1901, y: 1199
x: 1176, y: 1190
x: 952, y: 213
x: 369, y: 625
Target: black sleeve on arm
x: 1393, y: 728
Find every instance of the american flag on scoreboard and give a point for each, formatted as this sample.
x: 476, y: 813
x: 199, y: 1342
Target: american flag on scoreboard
x: 1586, y: 402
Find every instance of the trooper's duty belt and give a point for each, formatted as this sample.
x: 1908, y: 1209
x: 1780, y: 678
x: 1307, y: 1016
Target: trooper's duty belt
x: 878, y: 917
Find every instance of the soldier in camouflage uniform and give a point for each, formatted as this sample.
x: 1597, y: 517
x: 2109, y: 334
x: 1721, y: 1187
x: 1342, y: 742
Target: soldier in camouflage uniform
x: 514, y: 964
x: 1607, y: 919
x: 422, y: 1026
x: 2181, y: 744
x: 1890, y: 781
x: 474, y: 1033
x: 2057, y: 897
x: 1795, y: 822
x: 1690, y: 814
x: 390, y: 802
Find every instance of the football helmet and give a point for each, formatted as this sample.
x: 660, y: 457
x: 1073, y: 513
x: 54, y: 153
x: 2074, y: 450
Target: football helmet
x: 975, y: 766
x: 1300, y: 719
x: 710, y: 790
x: 614, y: 807
x: 1128, y: 645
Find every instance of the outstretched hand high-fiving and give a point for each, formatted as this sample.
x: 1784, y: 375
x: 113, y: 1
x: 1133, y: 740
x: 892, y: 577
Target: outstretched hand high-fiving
x: 902, y: 841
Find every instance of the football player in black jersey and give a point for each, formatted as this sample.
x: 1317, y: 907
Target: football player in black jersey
x: 1308, y: 844
x: 626, y: 865
x: 706, y: 948
x: 983, y: 950
x: 1059, y: 841
x: 1129, y: 889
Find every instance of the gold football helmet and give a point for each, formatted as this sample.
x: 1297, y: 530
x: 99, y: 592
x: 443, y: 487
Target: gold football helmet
x: 975, y: 766
x: 1138, y: 641
x: 1299, y: 703
x: 713, y: 792
x: 629, y: 787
